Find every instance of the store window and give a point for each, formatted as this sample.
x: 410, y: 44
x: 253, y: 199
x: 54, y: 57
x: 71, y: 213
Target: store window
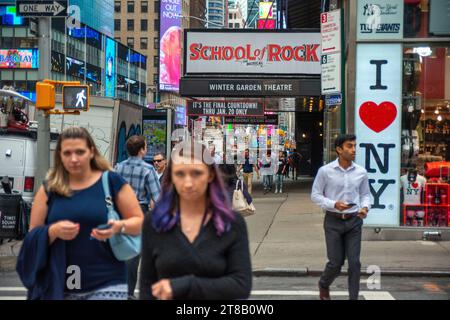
x: 425, y: 18
x: 426, y: 135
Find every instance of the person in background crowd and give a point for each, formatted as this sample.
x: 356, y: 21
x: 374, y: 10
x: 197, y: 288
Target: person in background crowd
x: 143, y: 179
x: 342, y: 189
x: 230, y: 180
x: 296, y: 159
x: 248, y: 171
x: 65, y: 216
x: 216, y: 157
x: 194, y: 246
x: 281, y: 170
x: 159, y: 161
x: 267, y: 171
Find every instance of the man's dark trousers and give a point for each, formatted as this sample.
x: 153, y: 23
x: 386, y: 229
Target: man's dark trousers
x: 343, y: 240
x: 133, y: 264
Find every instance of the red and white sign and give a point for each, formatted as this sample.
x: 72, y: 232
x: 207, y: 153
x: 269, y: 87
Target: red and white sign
x: 330, y: 29
x: 240, y: 52
x: 378, y: 106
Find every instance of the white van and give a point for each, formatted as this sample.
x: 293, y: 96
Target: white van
x: 18, y: 160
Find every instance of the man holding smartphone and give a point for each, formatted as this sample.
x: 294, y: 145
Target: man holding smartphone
x: 341, y: 188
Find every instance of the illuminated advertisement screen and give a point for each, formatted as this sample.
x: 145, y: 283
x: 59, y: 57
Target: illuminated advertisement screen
x: 266, y: 24
x: 266, y: 10
x: 57, y: 62
x: 155, y: 135
x: 93, y: 73
x: 110, y: 68
x: 8, y: 16
x: 75, y: 67
x: 170, y: 45
x: 19, y: 58
x: 180, y: 116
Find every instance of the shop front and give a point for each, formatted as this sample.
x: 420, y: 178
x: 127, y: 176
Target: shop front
x: 402, y: 110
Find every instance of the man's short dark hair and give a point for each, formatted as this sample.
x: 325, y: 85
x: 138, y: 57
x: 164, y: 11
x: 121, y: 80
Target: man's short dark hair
x: 160, y: 154
x: 135, y: 144
x: 342, y: 138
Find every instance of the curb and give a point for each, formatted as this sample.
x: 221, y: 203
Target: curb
x: 306, y: 272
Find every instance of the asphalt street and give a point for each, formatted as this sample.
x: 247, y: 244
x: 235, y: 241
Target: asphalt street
x: 305, y: 288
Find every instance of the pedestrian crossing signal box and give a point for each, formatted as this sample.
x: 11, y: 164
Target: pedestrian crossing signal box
x: 45, y: 96
x: 75, y: 97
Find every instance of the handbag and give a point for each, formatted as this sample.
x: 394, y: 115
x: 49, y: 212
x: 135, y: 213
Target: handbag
x: 240, y: 204
x: 123, y: 246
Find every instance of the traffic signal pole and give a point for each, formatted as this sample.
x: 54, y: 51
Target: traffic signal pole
x: 43, y: 137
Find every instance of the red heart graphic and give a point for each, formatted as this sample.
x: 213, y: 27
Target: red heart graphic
x: 415, y: 185
x: 377, y: 117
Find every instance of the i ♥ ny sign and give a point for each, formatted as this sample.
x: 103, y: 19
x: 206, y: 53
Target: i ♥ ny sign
x: 378, y: 127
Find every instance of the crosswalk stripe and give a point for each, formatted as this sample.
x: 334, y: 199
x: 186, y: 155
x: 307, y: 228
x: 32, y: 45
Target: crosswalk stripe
x: 13, y: 289
x: 368, y: 295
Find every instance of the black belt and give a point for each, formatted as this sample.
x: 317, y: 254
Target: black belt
x: 342, y: 216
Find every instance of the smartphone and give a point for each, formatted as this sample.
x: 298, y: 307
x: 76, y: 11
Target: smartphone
x: 351, y: 204
x: 104, y: 226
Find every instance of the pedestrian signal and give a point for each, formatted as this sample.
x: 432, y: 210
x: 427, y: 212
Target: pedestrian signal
x: 45, y: 96
x: 75, y: 97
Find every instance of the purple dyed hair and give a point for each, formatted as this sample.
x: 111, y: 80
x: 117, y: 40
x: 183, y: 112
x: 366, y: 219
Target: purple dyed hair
x: 164, y: 217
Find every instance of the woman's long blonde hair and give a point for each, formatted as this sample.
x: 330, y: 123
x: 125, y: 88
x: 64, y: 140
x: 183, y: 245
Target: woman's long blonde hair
x: 58, y: 177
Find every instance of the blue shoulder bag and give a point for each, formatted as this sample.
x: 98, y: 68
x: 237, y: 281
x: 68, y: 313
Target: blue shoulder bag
x: 124, y: 246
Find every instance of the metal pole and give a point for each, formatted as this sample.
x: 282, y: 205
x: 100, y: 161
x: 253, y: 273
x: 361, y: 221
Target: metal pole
x: 43, y: 137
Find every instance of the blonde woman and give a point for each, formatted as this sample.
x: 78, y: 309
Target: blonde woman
x: 69, y: 209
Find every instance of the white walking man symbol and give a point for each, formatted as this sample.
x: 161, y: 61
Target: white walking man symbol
x: 80, y: 99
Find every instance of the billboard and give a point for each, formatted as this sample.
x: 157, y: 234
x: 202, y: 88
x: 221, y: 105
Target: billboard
x: 75, y: 67
x: 252, y: 52
x: 9, y: 17
x: 19, y: 58
x: 110, y: 68
x: 266, y: 24
x: 266, y: 10
x: 170, y: 45
x: 378, y: 123
x: 180, y: 116
x: 155, y: 132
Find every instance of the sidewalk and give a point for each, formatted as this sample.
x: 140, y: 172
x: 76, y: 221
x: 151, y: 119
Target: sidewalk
x: 287, y: 237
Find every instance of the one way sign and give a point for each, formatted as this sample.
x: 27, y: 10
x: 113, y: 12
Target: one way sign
x: 56, y: 8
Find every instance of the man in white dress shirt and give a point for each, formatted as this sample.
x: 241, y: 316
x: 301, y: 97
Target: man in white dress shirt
x: 341, y: 188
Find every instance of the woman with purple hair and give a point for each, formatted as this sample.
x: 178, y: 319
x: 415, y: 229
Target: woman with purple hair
x: 193, y: 245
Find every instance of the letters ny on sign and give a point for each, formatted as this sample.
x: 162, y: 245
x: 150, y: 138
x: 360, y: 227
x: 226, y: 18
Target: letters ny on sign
x: 378, y: 126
